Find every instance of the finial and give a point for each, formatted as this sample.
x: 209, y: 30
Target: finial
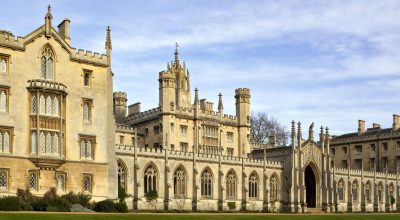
x: 176, y: 53
x: 196, y: 95
x: 47, y: 21
x: 220, y: 105
x: 293, y: 129
x: 48, y: 8
x: 108, y: 38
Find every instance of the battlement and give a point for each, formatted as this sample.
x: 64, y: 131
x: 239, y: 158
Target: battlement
x: 245, y: 91
x: 48, y: 85
x: 89, y: 57
x: 119, y: 95
x: 142, y: 116
x: 166, y: 74
x: 124, y: 128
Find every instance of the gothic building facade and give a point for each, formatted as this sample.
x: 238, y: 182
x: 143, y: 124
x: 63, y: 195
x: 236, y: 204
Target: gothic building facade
x: 62, y: 126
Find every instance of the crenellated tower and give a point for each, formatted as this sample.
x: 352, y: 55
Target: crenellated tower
x: 242, y: 96
x: 120, y: 106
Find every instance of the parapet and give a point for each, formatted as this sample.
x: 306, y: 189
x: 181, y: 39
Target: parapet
x: 120, y: 95
x: 242, y: 95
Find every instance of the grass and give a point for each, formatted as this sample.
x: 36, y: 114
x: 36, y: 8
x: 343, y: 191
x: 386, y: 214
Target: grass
x: 64, y: 216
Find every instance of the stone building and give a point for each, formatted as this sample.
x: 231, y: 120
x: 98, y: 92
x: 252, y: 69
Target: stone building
x: 62, y: 126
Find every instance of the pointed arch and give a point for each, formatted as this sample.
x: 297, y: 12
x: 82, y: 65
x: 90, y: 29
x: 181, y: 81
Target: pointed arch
x: 341, y: 189
x: 150, y: 177
x: 180, y: 181
x: 207, y: 179
x: 354, y: 190
x: 380, y: 192
x: 274, y: 187
x: 231, y: 184
x: 47, y: 58
x: 253, y: 185
x: 367, y: 192
x: 122, y: 175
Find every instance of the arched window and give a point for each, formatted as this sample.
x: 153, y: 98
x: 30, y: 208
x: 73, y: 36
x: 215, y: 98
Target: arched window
x: 42, y: 142
x: 3, y: 65
x: 274, y: 187
x: 83, y: 149
x: 48, y: 143
x: 368, y: 192
x: 122, y: 175
x: 253, y: 185
x: 42, y: 103
x: 3, y: 101
x: 206, y: 183
x: 6, y: 142
x: 47, y: 64
x: 380, y: 192
x: 150, y: 179
x: 48, y: 105
x: 341, y: 189
x: 55, y: 106
x: 231, y: 184
x: 3, y: 180
x: 89, y: 149
x: 180, y: 182
x: 354, y: 189
x: 86, y: 114
x: 34, y: 104
x: 33, y: 143
x: 55, y: 144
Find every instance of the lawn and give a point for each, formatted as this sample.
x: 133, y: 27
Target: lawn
x: 63, y: 216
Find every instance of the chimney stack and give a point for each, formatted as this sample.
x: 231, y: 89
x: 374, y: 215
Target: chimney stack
x: 396, y: 122
x: 63, y: 30
x: 134, y: 108
x: 376, y: 125
x: 361, y: 127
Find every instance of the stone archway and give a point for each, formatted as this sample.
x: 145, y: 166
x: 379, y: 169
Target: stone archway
x: 311, y: 187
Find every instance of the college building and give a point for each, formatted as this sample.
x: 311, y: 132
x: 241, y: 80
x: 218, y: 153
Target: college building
x: 63, y: 126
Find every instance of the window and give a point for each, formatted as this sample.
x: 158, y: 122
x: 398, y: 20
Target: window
x: 3, y: 179
x: 156, y: 130
x: 184, y: 147
x: 5, y: 139
x: 206, y: 183
x: 354, y: 189
x: 341, y: 190
x: 231, y: 185
x: 333, y: 151
x: 180, y: 182
x: 344, y: 149
x: 87, y: 183
x: 48, y: 142
x: 33, y: 180
x: 49, y: 105
x: 274, y: 185
x: 86, y: 77
x: 253, y: 185
x: 372, y: 146
x: 183, y: 129
x: 150, y: 179
x: 33, y: 143
x: 86, y: 147
x: 358, y: 149
x: 87, y: 110
x: 4, y: 95
x: 3, y: 64
x: 344, y: 164
x: 47, y: 64
x: 122, y: 175
x: 358, y: 164
x: 385, y: 147
x: 60, y: 182
x: 229, y: 152
x: 229, y: 136
x: 33, y: 104
x: 368, y: 192
x: 121, y: 140
x: 42, y: 105
x: 380, y: 192
x: 372, y: 163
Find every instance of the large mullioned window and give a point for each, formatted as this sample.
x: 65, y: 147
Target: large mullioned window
x: 206, y: 183
x: 231, y: 185
x: 150, y: 179
x: 180, y: 182
x: 47, y: 64
x: 253, y: 185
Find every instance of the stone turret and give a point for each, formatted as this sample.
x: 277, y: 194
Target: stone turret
x: 120, y: 100
x: 167, y: 91
x: 242, y: 96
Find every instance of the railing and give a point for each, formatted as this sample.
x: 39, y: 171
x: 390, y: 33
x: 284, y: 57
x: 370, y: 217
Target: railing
x: 47, y: 84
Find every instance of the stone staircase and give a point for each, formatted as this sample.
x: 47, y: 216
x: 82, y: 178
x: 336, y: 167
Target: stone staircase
x: 315, y: 210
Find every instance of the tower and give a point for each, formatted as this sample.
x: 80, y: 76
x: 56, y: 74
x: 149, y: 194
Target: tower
x: 242, y: 96
x: 119, y: 104
x: 167, y: 90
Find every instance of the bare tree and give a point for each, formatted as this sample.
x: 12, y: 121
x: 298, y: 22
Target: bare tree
x: 262, y: 127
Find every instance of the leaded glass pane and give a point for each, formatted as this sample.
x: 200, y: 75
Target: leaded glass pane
x: 42, y: 105
x: 6, y: 142
x: 83, y: 149
x: 55, y: 106
x: 34, y: 104
x: 48, y: 143
x: 89, y: 149
x: 86, y: 183
x: 3, y: 65
x: 85, y: 112
x: 55, y: 144
x: 42, y: 143
x: 3, y: 101
x: 48, y: 105
x: 3, y: 179
x: 50, y: 68
x: 43, y: 67
x: 33, y: 143
x: 60, y: 182
x: 33, y: 181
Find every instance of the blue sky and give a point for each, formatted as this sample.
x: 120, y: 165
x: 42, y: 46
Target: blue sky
x: 328, y: 62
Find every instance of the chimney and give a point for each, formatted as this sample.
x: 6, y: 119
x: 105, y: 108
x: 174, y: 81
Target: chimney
x: 134, y: 108
x: 63, y: 30
x: 361, y: 127
x: 376, y: 125
x: 396, y: 122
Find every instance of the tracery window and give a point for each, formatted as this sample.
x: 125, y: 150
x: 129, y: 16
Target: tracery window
x: 341, y: 189
x: 274, y: 185
x: 5, y: 139
x: 122, y: 175
x: 180, y: 182
x: 86, y: 146
x: 87, y: 183
x: 3, y: 179
x: 231, y: 185
x: 355, y: 191
x: 206, y: 183
x: 47, y: 64
x: 4, y: 92
x: 253, y: 185
x: 150, y: 179
x: 60, y: 181
x: 3, y: 65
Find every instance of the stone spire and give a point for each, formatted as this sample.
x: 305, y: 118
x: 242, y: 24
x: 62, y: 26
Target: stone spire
x: 47, y: 20
x: 196, y: 97
x: 108, y: 39
x: 293, y: 134
x: 176, y: 54
x: 220, y: 105
x: 299, y: 134
x: 311, y: 133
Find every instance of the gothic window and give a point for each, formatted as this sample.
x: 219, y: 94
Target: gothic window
x: 42, y: 105
x: 86, y: 78
x: 122, y: 175
x: 355, y: 190
x: 231, y: 185
x: 60, y: 182
x: 55, y: 144
x: 87, y: 105
x: 180, y: 182
x: 55, y: 106
x: 87, y: 183
x: 341, y: 190
x: 380, y: 192
x: 34, y: 104
x: 3, y: 65
x: 3, y: 179
x: 150, y: 179
x: 42, y: 142
x: 48, y: 105
x: 48, y: 143
x: 33, y: 181
x: 33, y: 142
x: 183, y: 130
x: 274, y: 187
x: 3, y: 99
x: 229, y: 136
x: 253, y: 185
x: 368, y: 192
x: 5, y: 139
x: 86, y: 147
x: 206, y: 183
x: 47, y: 64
